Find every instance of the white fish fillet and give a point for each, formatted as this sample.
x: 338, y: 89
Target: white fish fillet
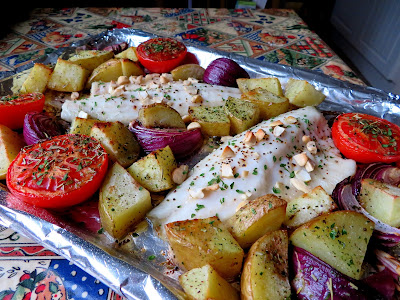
x: 125, y: 107
x: 270, y: 167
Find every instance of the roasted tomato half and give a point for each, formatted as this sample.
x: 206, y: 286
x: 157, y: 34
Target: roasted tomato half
x: 366, y: 138
x: 14, y: 108
x: 161, y: 55
x: 60, y: 172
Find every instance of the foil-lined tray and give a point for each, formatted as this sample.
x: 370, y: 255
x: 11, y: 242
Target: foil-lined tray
x: 125, y: 267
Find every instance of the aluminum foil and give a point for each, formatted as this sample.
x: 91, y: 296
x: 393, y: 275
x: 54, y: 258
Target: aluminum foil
x: 125, y: 266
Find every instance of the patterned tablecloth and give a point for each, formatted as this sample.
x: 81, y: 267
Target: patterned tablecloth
x: 28, y: 270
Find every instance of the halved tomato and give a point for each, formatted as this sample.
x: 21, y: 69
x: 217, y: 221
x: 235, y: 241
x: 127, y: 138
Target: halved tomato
x: 366, y: 138
x: 161, y: 55
x: 14, y: 108
x: 60, y: 172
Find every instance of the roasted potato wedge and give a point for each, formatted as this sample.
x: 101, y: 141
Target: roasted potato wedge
x: 242, y: 114
x: 256, y: 218
x: 154, y: 171
x: 68, y: 77
x: 381, y: 200
x: 112, y: 69
x: 198, y: 242
x: 160, y: 115
x: 129, y: 53
x: 82, y: 125
x: 213, y: 120
x: 308, y: 206
x: 270, y: 105
x: 131, y: 68
x: 339, y: 238
x: 91, y: 59
x: 302, y: 93
x: 266, y: 269
x: 37, y: 79
x: 271, y: 84
x: 205, y: 283
x: 186, y: 71
x: 123, y: 202
x: 18, y: 80
x: 10, y: 145
x: 120, y: 144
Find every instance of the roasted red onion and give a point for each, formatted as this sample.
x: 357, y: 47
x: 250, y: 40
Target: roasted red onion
x: 347, y: 191
x: 38, y: 126
x: 390, y: 262
x: 315, y: 279
x: 183, y: 143
x: 224, y: 71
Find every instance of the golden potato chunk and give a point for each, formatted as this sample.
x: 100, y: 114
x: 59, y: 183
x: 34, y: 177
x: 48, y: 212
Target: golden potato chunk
x: 308, y: 206
x: 339, y: 238
x: 123, y: 202
x: 68, y: 77
x: 256, y: 218
x: 37, y: 79
x: 198, y: 242
x: 265, y: 273
x: 154, y: 171
x: 160, y: 115
x: 205, y: 283
x: 113, y: 68
x: 242, y: 114
x: 270, y: 105
x: 213, y: 120
x: 10, y: 145
x: 120, y: 144
x: 301, y: 93
x: 186, y: 71
x: 129, y: 53
x: 381, y: 200
x: 82, y: 125
x: 91, y: 59
x: 271, y: 84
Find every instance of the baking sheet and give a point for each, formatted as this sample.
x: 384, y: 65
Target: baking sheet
x: 125, y: 267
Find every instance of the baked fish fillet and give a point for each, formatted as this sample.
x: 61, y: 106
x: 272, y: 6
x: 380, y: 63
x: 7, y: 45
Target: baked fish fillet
x: 112, y: 102
x: 218, y: 184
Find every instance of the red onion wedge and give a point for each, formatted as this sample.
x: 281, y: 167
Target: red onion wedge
x: 183, y: 143
x: 315, y: 279
x: 224, y: 71
x: 38, y: 126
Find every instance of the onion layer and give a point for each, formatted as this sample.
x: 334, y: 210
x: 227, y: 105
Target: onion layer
x: 347, y: 191
x: 183, y: 143
x: 224, y: 71
x: 39, y: 126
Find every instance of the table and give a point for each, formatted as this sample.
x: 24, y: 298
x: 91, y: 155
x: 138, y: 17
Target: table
x: 274, y: 35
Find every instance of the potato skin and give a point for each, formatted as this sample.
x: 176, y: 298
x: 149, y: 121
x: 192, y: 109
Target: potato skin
x: 265, y: 273
x: 160, y: 115
x: 198, y: 242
